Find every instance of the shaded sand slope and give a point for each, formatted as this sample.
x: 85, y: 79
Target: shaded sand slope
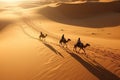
x: 85, y: 14
x: 82, y: 10
x: 88, y: 9
x: 4, y: 23
x: 94, y: 19
x: 24, y: 57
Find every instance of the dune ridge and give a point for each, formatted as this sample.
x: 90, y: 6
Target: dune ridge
x: 23, y: 56
x: 82, y: 10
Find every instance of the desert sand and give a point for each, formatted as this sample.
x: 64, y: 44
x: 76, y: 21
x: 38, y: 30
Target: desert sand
x: 23, y: 56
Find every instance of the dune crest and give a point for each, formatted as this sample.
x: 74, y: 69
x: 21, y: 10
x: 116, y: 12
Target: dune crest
x: 26, y: 55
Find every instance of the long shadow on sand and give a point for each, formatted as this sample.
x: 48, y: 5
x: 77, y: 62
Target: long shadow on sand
x: 2, y: 9
x: 53, y: 49
x: 4, y: 23
x: 45, y: 43
x: 96, y: 69
x: 89, y: 14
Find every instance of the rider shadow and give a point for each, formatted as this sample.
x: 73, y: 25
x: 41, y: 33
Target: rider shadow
x: 45, y: 43
x: 96, y: 69
x: 53, y: 49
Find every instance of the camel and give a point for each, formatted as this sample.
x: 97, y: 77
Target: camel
x: 81, y: 46
x: 64, y: 41
x: 42, y: 36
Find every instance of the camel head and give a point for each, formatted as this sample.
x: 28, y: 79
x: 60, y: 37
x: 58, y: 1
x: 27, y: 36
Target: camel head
x: 87, y: 44
x: 68, y: 40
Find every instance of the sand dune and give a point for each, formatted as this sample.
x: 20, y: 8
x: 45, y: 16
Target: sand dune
x: 85, y: 14
x: 23, y: 56
x: 91, y: 15
x: 82, y: 10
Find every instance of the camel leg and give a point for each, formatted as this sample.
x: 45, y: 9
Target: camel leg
x: 74, y: 49
x: 84, y: 51
x: 66, y: 45
x: 40, y: 38
x: 79, y: 50
x: 60, y: 44
x: 43, y: 38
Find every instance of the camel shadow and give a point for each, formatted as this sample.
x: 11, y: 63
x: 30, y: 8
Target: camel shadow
x: 44, y: 42
x: 4, y: 23
x: 96, y: 69
x: 53, y: 49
